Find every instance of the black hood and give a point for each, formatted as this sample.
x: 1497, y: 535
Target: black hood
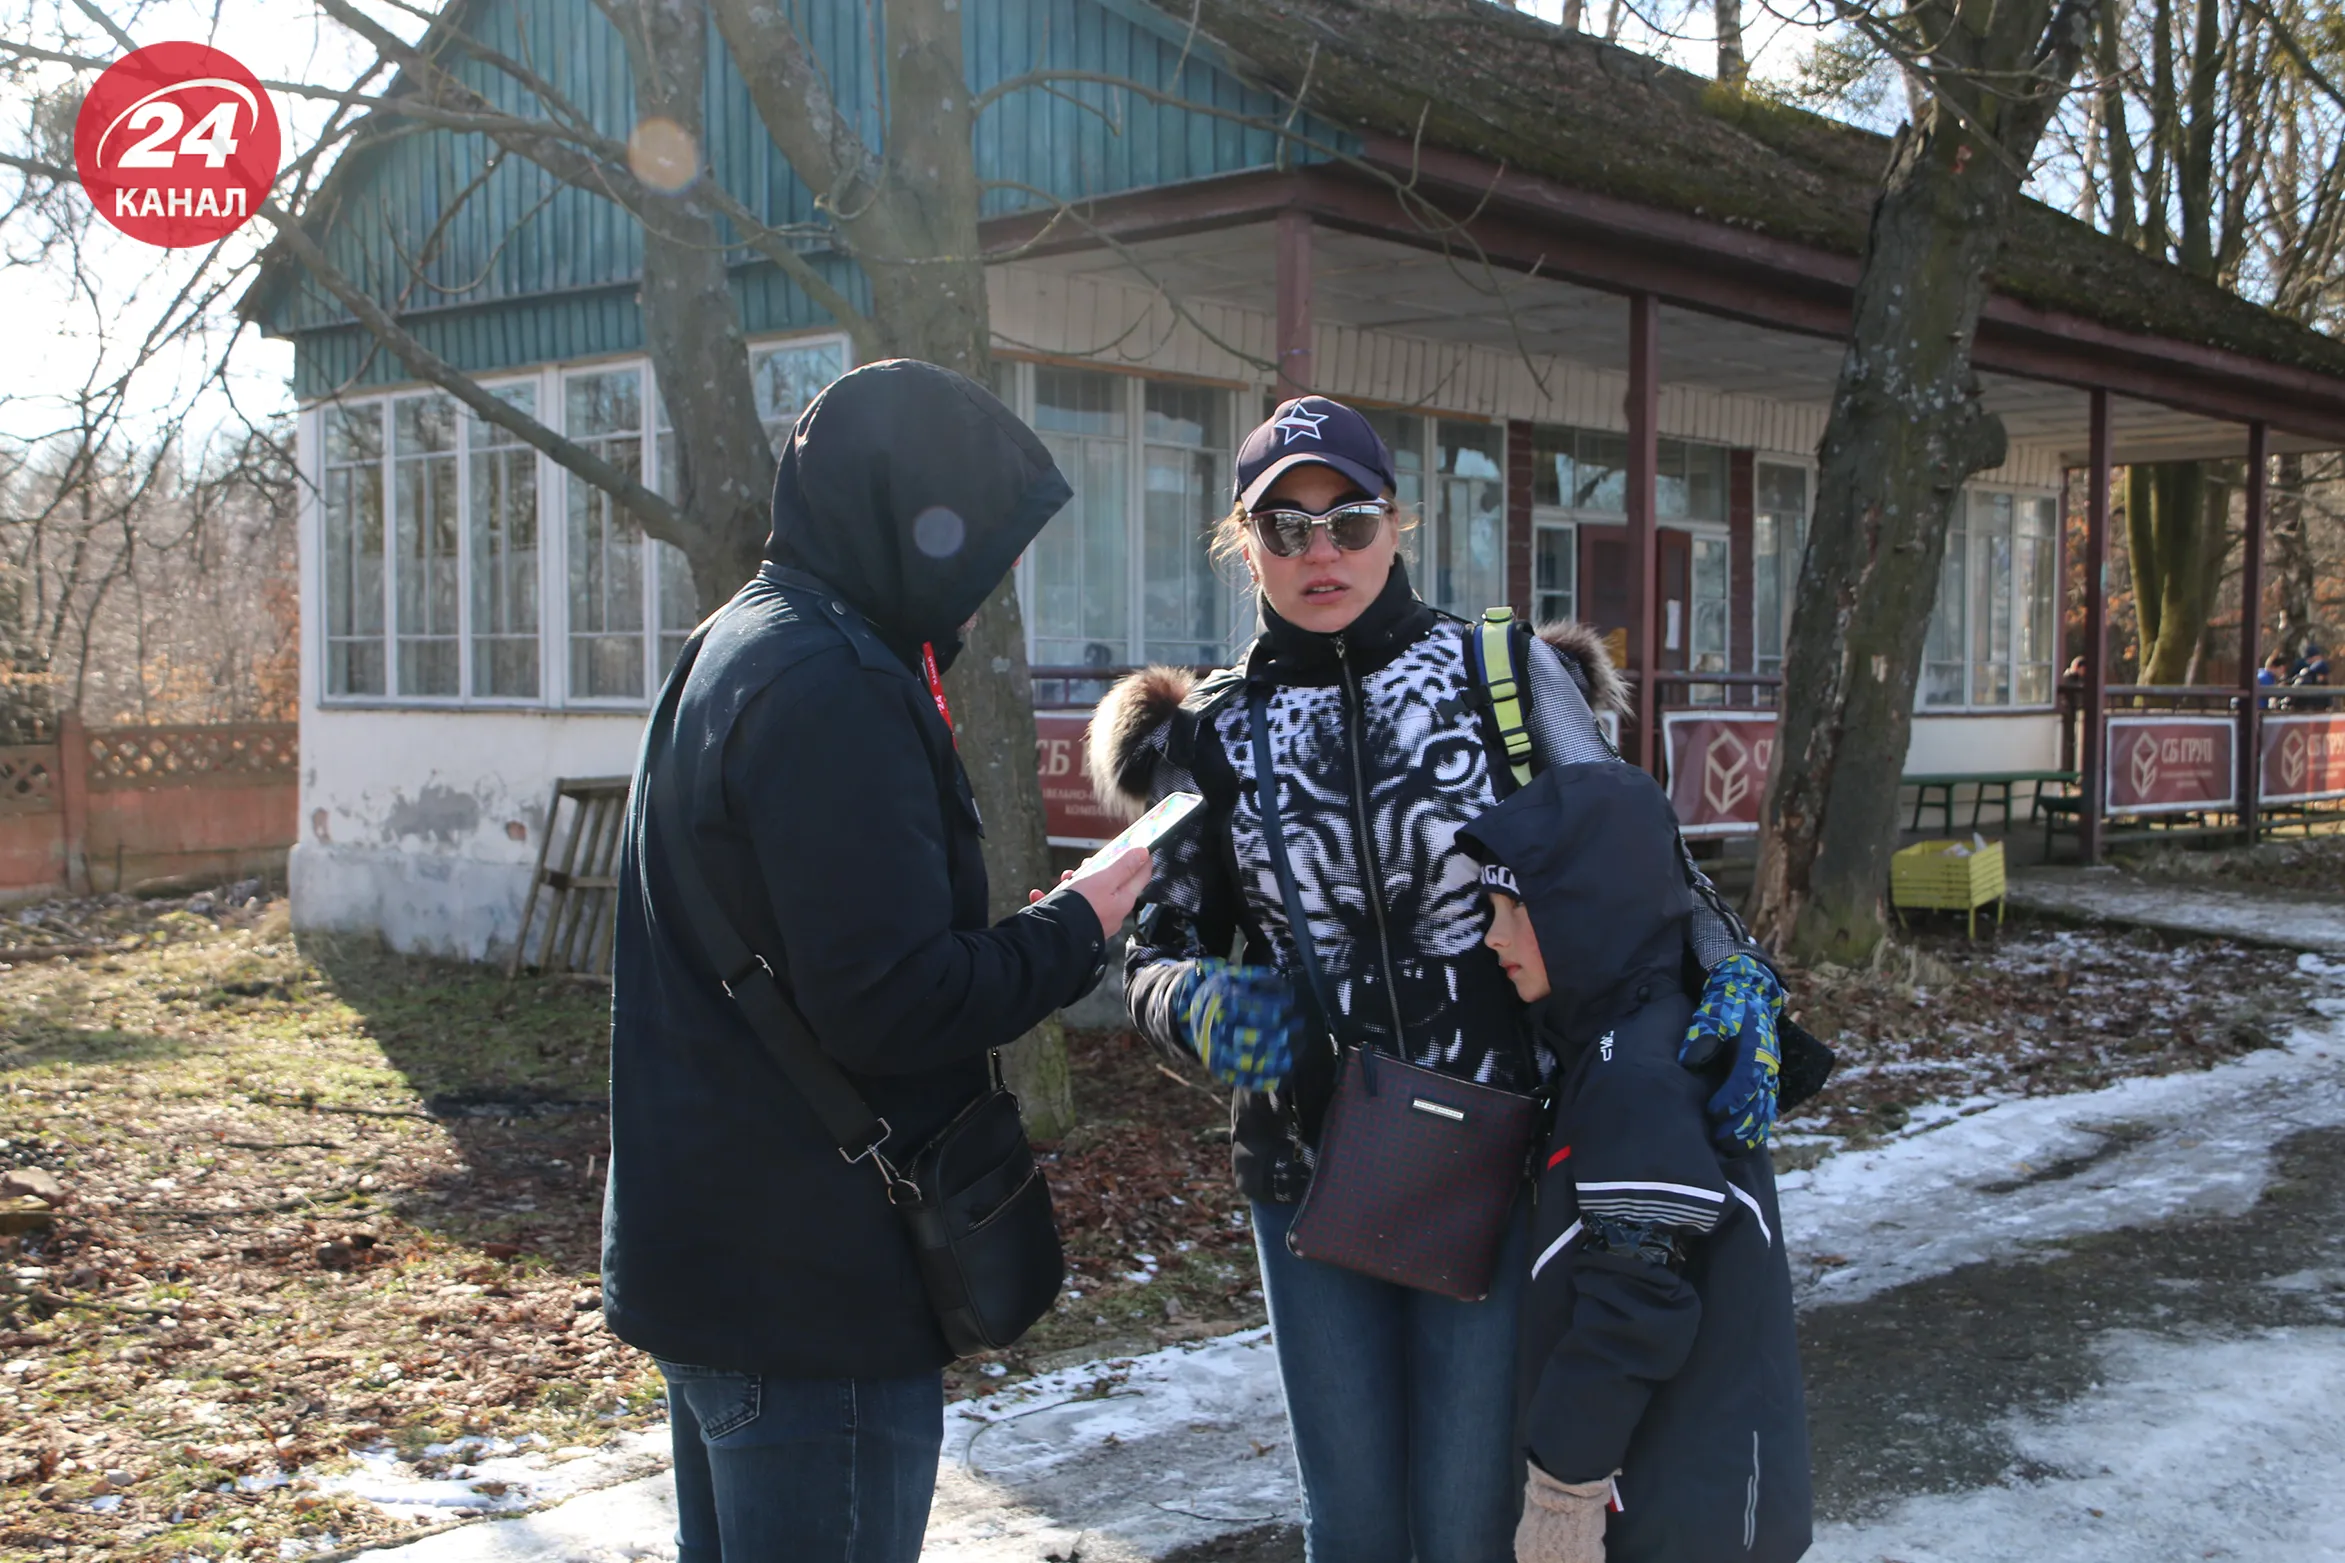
x: 910, y: 490
x: 1594, y: 850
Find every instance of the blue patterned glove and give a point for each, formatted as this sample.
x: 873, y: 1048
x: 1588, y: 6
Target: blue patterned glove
x: 1241, y: 1020
x: 1738, y: 1008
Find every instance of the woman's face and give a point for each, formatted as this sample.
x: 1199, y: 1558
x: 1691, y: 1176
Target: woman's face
x: 1323, y: 588
x: 1510, y: 939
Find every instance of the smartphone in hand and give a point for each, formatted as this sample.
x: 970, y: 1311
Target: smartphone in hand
x: 1169, y: 815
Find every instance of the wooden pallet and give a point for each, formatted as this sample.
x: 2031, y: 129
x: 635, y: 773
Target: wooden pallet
x: 577, y: 887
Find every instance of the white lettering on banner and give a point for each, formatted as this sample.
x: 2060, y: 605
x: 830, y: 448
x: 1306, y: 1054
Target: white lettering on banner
x: 182, y: 203
x: 234, y: 202
x: 125, y: 201
x: 2188, y: 751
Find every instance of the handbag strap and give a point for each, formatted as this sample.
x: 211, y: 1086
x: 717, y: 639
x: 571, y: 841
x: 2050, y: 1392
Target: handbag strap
x: 1274, y: 840
x: 744, y: 974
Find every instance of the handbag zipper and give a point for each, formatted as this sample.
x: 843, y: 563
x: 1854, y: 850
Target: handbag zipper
x: 1356, y: 713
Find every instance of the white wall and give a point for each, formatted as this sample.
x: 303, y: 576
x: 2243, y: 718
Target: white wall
x: 2026, y: 741
x: 423, y: 825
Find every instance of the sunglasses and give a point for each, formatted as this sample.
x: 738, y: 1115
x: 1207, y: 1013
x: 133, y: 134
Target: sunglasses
x: 1353, y: 526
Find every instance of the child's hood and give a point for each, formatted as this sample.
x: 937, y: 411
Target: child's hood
x: 1594, y: 849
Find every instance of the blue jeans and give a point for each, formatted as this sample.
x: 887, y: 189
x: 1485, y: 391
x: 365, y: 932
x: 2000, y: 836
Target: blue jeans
x: 1402, y: 1405
x: 790, y: 1470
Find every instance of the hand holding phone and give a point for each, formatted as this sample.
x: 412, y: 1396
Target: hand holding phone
x: 1170, y: 813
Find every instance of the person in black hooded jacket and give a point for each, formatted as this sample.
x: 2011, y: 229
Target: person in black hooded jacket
x: 832, y: 821
x: 1658, y: 1385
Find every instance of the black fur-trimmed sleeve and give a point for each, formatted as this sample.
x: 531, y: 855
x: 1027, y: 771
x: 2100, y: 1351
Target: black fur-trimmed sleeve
x: 1189, y: 911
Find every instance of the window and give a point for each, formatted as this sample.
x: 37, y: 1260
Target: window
x: 423, y: 507
x: 1555, y: 572
x: 443, y: 582
x: 1185, y: 606
x: 1706, y: 642
x: 1586, y: 470
x: 1991, y: 632
x: 355, y: 565
x: 505, y: 562
x: 1779, y: 544
x: 1466, y: 556
x: 1123, y: 574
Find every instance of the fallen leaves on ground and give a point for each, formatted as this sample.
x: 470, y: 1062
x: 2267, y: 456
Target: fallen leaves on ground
x: 2299, y: 865
x: 2035, y: 1010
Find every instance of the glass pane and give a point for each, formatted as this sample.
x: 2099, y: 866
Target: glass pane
x: 1705, y: 482
x: 606, y: 403
x: 1942, y: 652
x: 1080, y: 579
x: 1185, y: 607
x: 425, y: 522
x: 604, y: 412
x: 1077, y: 401
x: 1779, y: 531
x: 679, y: 604
x: 1669, y: 490
x: 354, y: 550
x: 1600, y: 474
x: 1990, y: 599
x: 1555, y: 561
x: 789, y: 376
x: 1403, y: 434
x: 504, y: 573
x: 1551, y: 464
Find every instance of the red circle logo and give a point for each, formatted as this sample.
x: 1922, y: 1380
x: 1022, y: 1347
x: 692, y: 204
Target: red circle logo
x: 177, y: 144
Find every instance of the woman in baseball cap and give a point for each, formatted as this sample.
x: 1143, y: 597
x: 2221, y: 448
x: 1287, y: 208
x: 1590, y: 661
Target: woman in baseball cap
x: 1400, y: 1399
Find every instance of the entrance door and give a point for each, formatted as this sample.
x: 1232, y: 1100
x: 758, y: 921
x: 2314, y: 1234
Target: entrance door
x: 1676, y: 559
x: 1606, y: 598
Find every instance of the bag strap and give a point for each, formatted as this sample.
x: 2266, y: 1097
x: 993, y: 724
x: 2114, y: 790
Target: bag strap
x: 744, y: 974
x: 1495, y: 661
x: 1274, y: 840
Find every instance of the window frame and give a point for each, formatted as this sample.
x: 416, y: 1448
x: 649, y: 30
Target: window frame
x: 547, y: 383
x: 2020, y: 496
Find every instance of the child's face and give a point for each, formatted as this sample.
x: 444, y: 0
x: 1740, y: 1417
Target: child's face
x: 1510, y: 938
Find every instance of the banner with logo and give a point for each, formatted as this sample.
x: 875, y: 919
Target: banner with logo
x: 1071, y: 814
x: 1718, y: 763
x: 2303, y: 758
x: 2172, y: 764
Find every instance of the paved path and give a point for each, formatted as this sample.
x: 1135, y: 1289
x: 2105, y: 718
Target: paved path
x: 2105, y: 894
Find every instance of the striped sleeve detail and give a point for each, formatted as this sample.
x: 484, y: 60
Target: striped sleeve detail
x: 1653, y: 1203
x: 1757, y: 1214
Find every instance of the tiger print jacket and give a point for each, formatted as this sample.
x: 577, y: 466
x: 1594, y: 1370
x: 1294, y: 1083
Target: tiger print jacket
x: 1394, y: 907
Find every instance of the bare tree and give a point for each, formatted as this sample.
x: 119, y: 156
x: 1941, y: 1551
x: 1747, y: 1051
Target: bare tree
x: 1905, y: 430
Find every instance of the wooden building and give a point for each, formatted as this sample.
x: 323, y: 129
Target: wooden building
x: 1596, y: 306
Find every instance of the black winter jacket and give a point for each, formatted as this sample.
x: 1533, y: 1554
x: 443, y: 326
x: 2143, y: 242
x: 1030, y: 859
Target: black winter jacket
x: 1658, y: 1337
x: 1382, y: 740
x: 835, y: 824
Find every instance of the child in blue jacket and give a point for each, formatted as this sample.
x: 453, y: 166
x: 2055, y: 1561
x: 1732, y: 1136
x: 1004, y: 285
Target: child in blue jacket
x: 1659, y: 1383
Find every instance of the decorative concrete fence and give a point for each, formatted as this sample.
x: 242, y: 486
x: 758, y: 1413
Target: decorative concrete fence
x: 132, y: 808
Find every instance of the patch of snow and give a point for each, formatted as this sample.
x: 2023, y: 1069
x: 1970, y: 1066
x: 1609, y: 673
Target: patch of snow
x: 2185, y: 1449
x: 493, y: 1476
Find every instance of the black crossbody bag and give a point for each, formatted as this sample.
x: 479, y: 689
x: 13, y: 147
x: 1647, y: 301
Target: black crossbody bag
x: 972, y: 1200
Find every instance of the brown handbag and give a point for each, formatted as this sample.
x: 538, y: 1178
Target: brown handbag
x: 1417, y: 1172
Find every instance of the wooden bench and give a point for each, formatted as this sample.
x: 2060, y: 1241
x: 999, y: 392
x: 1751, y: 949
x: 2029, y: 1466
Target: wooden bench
x: 1936, y: 791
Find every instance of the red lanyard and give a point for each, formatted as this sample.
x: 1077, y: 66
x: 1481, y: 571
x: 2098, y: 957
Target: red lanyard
x: 936, y: 688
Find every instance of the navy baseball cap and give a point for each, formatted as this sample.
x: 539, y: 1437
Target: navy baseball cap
x: 1312, y: 429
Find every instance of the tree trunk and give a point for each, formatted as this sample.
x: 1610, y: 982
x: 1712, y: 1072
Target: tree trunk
x: 2116, y: 134
x: 2294, y: 574
x: 2166, y: 526
x: 937, y: 311
x: 1734, y: 67
x: 724, y: 474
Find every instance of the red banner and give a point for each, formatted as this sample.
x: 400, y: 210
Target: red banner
x: 2303, y: 758
x: 1072, y: 815
x: 1718, y: 765
x: 2172, y: 764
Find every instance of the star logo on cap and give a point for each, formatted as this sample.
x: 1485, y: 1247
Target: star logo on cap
x: 1299, y: 425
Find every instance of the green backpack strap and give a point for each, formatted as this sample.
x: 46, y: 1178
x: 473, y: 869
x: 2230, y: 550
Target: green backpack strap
x: 1494, y: 639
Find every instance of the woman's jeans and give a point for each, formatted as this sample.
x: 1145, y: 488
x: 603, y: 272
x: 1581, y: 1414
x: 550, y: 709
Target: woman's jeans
x: 805, y: 1470
x: 1402, y: 1405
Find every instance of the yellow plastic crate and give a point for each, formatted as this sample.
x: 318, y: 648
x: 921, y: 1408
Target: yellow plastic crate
x: 1947, y: 876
